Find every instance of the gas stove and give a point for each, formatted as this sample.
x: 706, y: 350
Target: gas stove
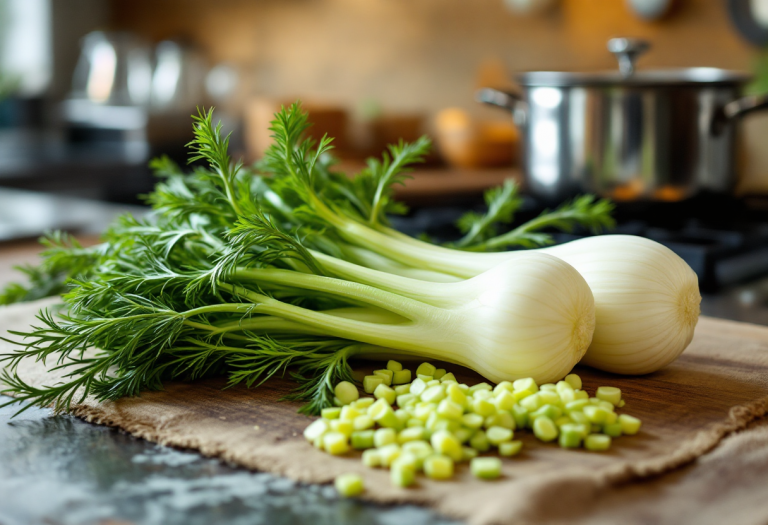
x: 724, y: 240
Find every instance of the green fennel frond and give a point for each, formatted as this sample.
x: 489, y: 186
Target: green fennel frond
x: 390, y: 170
x: 318, y: 375
x: 293, y: 157
x: 178, y: 196
x: 502, y: 203
x: 212, y: 147
x: 257, y: 240
x: 586, y: 211
x: 63, y: 258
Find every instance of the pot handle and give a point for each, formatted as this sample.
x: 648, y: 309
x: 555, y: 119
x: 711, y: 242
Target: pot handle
x: 738, y: 108
x: 505, y: 100
x: 742, y: 106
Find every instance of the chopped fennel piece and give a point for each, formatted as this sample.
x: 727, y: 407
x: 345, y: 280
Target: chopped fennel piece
x: 363, y: 403
x: 384, y: 436
x: 371, y: 458
x: 316, y: 429
x: 426, y: 369
x: 344, y: 426
x: 480, y: 386
x: 596, y: 415
x: 449, y: 377
x: 486, y: 468
x: 612, y: 429
x: 389, y: 453
x: 438, y: 466
x: 371, y: 382
x: 433, y: 394
x: 330, y: 413
x: 545, y: 429
x: 456, y: 394
x: 349, y: 485
x: 630, y: 425
x: 444, y: 442
x: 480, y: 442
x: 402, y: 475
x: 346, y: 392
x: 418, y: 386
x: 570, y: 436
x: 384, y: 392
x: 363, y: 422
x: 597, y: 442
x: 385, y: 374
x: 498, y: 435
x: 410, y: 434
x: 349, y: 413
x: 335, y: 443
x: 403, y: 389
x: 510, y: 448
x: 525, y: 384
x: 574, y: 380
x: 401, y: 377
x: 609, y: 393
x: 381, y: 412
x: 450, y: 409
x: 362, y: 439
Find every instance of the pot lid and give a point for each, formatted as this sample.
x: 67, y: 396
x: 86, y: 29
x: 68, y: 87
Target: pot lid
x: 626, y: 51
x: 653, y: 77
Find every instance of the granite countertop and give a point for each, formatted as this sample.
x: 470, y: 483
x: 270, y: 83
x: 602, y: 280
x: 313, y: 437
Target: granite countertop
x: 60, y: 470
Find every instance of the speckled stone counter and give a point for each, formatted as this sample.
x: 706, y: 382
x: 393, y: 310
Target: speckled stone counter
x: 60, y: 470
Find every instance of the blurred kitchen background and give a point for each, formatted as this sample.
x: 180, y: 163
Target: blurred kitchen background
x: 90, y: 90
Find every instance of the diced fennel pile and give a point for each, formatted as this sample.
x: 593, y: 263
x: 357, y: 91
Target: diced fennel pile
x: 429, y: 425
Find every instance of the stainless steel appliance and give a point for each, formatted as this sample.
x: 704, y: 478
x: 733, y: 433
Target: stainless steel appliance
x: 661, y: 135
x: 125, y: 93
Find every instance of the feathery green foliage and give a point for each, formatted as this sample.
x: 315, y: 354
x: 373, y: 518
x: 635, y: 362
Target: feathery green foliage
x: 62, y: 259
x: 147, y: 307
x: 502, y: 203
x: 585, y: 211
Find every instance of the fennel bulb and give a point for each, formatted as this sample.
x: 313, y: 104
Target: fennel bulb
x: 647, y: 301
x: 528, y: 317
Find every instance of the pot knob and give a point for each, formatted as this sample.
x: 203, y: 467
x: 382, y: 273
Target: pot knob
x: 626, y: 51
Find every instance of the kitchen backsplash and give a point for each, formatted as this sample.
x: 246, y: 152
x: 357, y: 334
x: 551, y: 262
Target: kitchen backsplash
x: 423, y: 54
x: 420, y: 56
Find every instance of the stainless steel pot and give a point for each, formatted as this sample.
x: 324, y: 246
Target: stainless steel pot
x: 656, y: 135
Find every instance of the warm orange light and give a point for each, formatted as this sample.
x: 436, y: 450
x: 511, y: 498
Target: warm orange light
x: 629, y: 191
x: 670, y: 194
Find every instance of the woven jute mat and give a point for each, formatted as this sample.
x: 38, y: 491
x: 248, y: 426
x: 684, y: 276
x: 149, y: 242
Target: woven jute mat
x: 717, y: 387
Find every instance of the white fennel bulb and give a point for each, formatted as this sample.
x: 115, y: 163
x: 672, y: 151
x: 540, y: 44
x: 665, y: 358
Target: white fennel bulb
x: 647, y: 299
x: 533, y: 316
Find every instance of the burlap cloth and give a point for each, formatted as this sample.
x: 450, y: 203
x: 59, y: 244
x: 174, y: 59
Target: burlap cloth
x: 718, y: 387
